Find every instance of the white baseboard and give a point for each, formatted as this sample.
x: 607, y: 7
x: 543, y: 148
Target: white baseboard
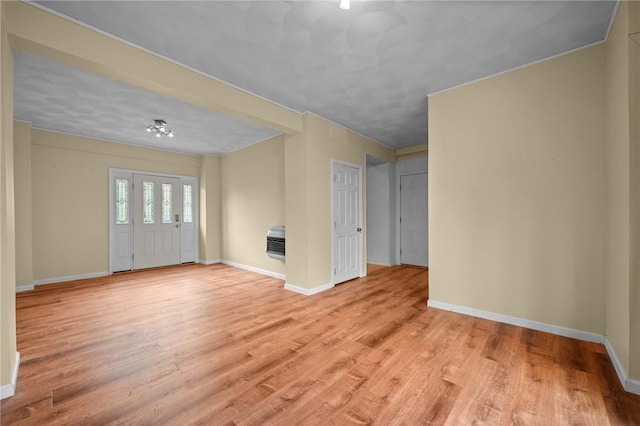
x: 379, y: 263
x: 628, y: 384
x: 57, y: 280
x: 9, y: 389
x: 252, y: 269
x: 632, y: 386
x: 210, y: 262
x: 534, y: 325
x: 308, y: 291
x: 70, y: 278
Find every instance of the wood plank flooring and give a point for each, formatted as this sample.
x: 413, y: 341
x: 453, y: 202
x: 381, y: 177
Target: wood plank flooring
x: 220, y: 346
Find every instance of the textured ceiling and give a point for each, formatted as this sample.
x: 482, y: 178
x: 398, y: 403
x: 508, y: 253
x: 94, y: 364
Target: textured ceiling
x: 369, y: 68
x: 57, y: 97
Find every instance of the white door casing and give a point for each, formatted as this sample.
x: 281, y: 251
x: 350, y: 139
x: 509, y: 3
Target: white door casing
x: 413, y: 219
x: 157, y: 207
x: 189, y: 228
x: 347, y: 241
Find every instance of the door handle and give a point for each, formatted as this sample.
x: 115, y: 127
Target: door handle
x: 177, y: 225
x: 359, y: 229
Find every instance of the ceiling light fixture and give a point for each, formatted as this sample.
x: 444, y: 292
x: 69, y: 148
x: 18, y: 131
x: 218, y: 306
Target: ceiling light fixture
x: 345, y: 4
x: 159, y: 127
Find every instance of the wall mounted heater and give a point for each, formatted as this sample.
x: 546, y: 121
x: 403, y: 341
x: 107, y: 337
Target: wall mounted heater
x: 275, y: 242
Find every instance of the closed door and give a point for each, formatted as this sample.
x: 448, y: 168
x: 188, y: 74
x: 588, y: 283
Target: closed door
x: 157, y: 210
x: 346, y: 223
x: 413, y: 220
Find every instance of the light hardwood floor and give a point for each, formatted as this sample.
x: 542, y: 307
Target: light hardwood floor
x: 217, y: 345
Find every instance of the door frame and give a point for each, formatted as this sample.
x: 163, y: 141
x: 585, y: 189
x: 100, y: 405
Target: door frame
x: 361, y: 270
x: 117, y: 172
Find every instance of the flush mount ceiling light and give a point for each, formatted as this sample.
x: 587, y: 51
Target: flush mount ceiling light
x: 345, y: 4
x: 159, y: 127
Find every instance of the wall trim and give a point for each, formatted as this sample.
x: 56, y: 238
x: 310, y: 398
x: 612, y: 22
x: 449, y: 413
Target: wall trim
x: 253, y: 269
x: 210, y: 262
x: 518, y: 67
x: 69, y: 278
x: 27, y: 287
x: 308, y: 291
x: 9, y: 389
x: 521, y: 322
x: 630, y: 385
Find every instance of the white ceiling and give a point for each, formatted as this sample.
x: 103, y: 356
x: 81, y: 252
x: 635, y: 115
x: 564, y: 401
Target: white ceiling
x: 369, y: 68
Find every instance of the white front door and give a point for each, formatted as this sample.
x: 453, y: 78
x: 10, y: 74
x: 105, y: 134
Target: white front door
x: 346, y: 223
x: 413, y: 219
x: 157, y: 211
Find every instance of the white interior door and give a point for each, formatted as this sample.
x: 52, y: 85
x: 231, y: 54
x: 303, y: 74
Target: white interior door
x: 413, y: 219
x: 346, y: 223
x: 157, y: 211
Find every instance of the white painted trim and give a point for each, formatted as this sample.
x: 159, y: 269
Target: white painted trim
x: 521, y: 322
x: 9, y: 389
x: 630, y: 385
x: 379, y: 264
x: 210, y: 262
x: 308, y: 291
x: 70, y: 278
x: 252, y: 269
x: 27, y: 287
x: 577, y: 49
x: 613, y: 18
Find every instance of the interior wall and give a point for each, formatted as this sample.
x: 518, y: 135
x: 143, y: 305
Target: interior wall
x: 516, y: 190
x: 253, y: 192
x: 24, y: 249
x: 379, y: 214
x: 617, y: 166
x: 210, y: 235
x: 308, y: 191
x: 633, y: 46
x: 7, y: 214
x: 70, y: 204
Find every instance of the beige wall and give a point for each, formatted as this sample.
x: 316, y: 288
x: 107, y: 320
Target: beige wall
x: 617, y: 165
x: 252, y: 201
x: 210, y: 218
x: 634, y: 138
x: 516, y: 191
x: 22, y: 156
x: 70, y: 204
x: 7, y: 210
x: 308, y: 191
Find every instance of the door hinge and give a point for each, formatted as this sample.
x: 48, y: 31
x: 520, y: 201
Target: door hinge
x: 400, y: 252
x: 400, y: 219
x: 335, y: 271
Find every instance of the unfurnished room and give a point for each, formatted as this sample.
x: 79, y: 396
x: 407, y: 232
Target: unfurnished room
x: 320, y: 212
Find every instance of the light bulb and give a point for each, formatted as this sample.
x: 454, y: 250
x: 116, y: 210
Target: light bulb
x: 157, y: 135
x: 345, y: 4
x: 148, y: 129
x: 162, y: 128
x: 170, y: 134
